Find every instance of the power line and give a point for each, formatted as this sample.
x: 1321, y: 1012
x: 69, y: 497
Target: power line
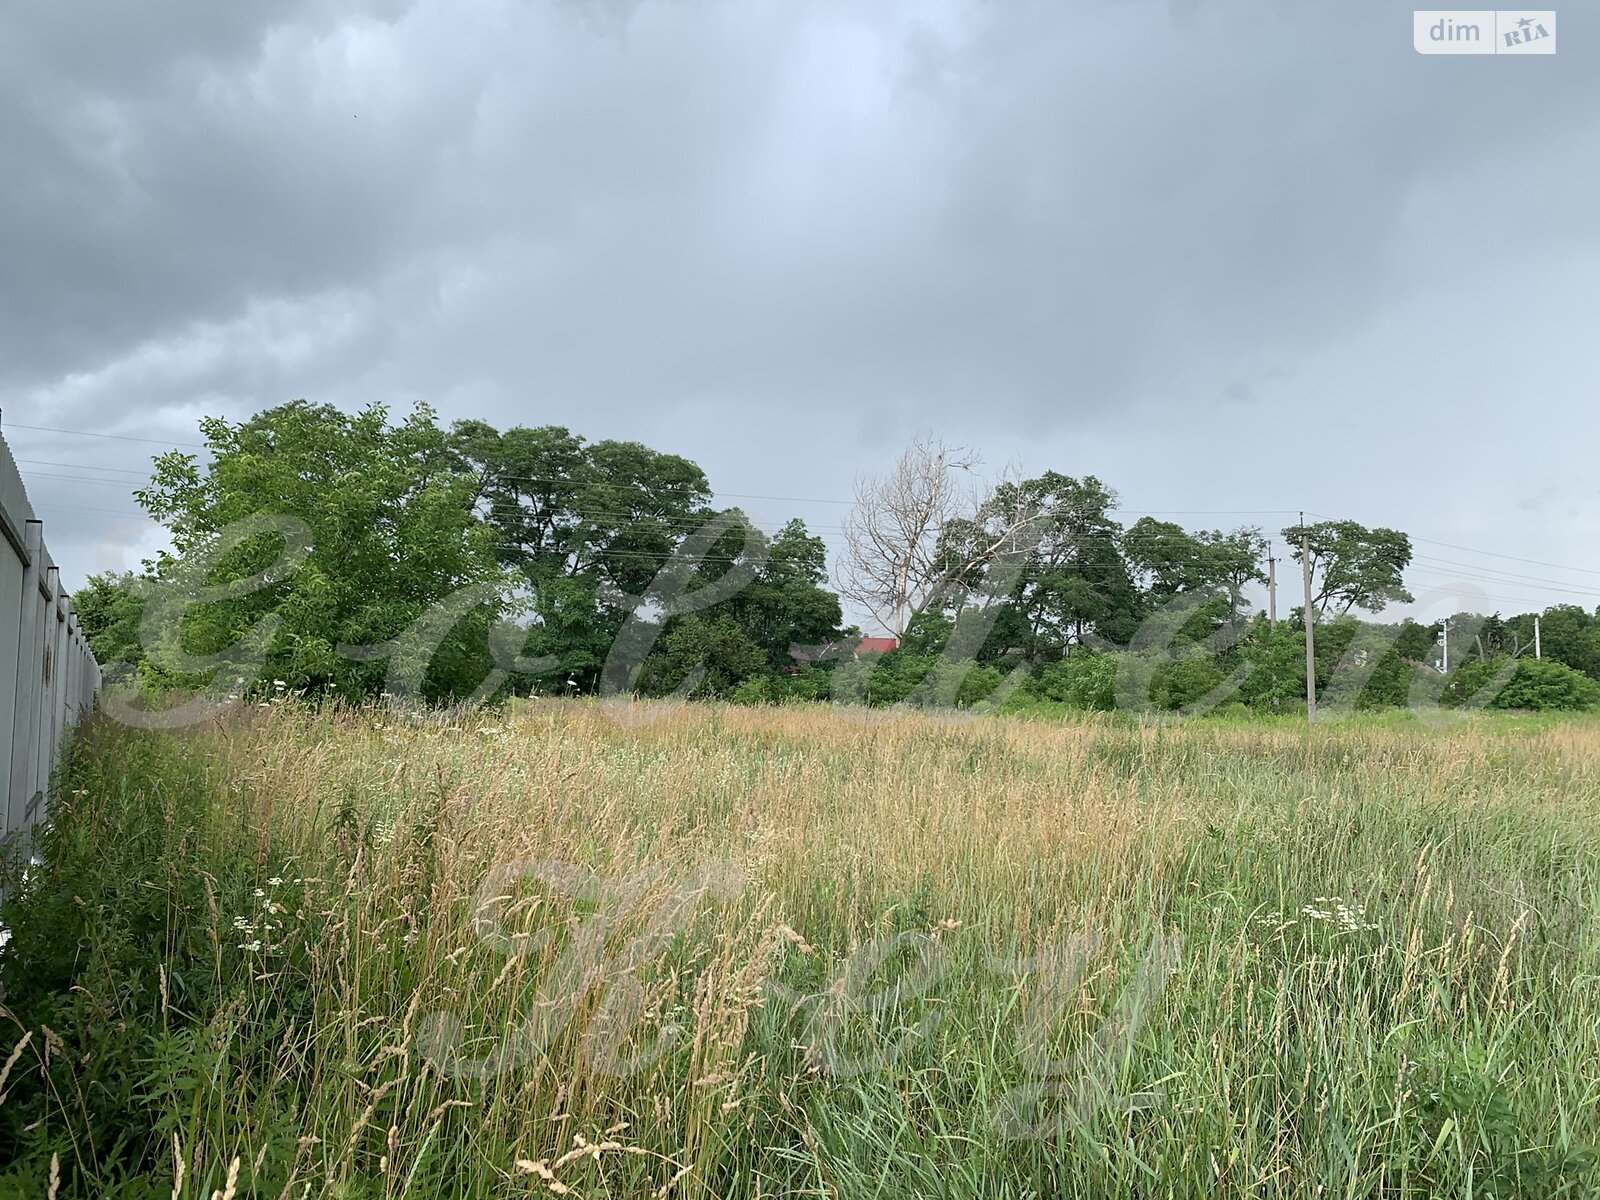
x: 819, y: 530
x: 36, y: 462
x: 1123, y: 507
x: 675, y: 522
x: 590, y: 514
x: 824, y: 533
x: 684, y: 521
x: 1495, y: 575
x: 118, y: 483
x: 557, y: 479
x: 1499, y: 596
x: 1533, y: 562
x: 121, y: 437
x: 97, y: 512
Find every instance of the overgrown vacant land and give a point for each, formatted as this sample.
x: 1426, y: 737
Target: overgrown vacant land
x: 753, y: 952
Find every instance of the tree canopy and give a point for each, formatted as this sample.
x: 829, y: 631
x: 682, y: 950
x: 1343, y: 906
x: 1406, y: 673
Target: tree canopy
x: 1353, y: 566
x: 374, y: 527
x: 335, y: 552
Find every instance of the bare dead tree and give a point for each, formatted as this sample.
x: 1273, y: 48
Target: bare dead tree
x: 897, y: 557
x: 891, y: 564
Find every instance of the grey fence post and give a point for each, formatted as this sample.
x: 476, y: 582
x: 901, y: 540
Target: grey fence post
x: 55, y: 625
x: 30, y: 690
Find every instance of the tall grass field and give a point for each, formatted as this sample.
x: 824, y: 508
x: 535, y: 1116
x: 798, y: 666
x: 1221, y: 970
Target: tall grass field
x: 700, y: 951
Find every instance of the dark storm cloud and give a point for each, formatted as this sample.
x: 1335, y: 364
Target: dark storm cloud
x: 705, y: 223
x: 169, y: 164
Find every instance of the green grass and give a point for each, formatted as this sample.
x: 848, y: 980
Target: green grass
x: 843, y: 956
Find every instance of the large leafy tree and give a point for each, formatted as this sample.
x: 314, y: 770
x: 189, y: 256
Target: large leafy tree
x: 1060, y: 565
x: 1414, y: 643
x: 1234, y: 562
x: 610, y: 511
x: 390, y: 534
x: 587, y: 528
x: 787, y: 604
x: 704, y: 654
x: 1353, y: 566
x: 1522, y: 683
x: 768, y: 600
x: 110, y: 610
x: 1169, y: 561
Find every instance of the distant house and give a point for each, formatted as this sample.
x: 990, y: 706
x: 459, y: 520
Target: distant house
x: 835, y: 650
x: 876, y: 645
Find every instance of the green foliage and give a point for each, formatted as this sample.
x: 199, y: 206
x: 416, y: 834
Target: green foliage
x: 798, y: 685
x: 758, y: 689
x: 928, y: 632
x: 586, y: 528
x: 115, y: 950
x: 1178, y: 683
x: 787, y: 604
x: 1461, y: 1100
x: 1538, y: 685
x: 1414, y: 642
x: 980, y: 685
x: 1353, y: 566
x: 916, y: 680
x: 1073, y: 578
x: 779, y: 607
x: 1173, y: 562
x: 702, y: 656
x: 391, y: 534
x: 1390, y: 682
x: 608, y: 512
x: 1277, y: 662
x: 1068, y: 580
x: 595, y: 530
x: 891, y: 678
x: 1082, y: 680
x: 110, y: 609
x: 606, y: 547
x: 1568, y: 635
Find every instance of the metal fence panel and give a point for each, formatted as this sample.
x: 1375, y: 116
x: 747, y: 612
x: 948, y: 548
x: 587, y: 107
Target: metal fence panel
x: 48, y: 674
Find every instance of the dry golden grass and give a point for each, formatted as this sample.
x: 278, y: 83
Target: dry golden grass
x: 1432, y: 1027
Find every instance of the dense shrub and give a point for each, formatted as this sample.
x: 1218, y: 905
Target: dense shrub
x: 1526, y: 683
x: 1081, y: 680
x: 1182, y: 682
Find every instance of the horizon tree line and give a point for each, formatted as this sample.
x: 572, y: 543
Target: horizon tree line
x: 558, y: 550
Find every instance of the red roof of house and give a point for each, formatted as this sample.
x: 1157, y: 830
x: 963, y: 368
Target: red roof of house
x: 877, y: 645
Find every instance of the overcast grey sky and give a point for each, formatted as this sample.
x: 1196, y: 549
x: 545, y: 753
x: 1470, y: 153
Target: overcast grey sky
x: 1226, y: 256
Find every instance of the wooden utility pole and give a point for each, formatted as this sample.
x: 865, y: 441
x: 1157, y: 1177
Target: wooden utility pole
x: 1310, y: 624
x: 1272, y: 589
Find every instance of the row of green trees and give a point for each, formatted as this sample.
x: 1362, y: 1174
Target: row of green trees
x: 347, y: 554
